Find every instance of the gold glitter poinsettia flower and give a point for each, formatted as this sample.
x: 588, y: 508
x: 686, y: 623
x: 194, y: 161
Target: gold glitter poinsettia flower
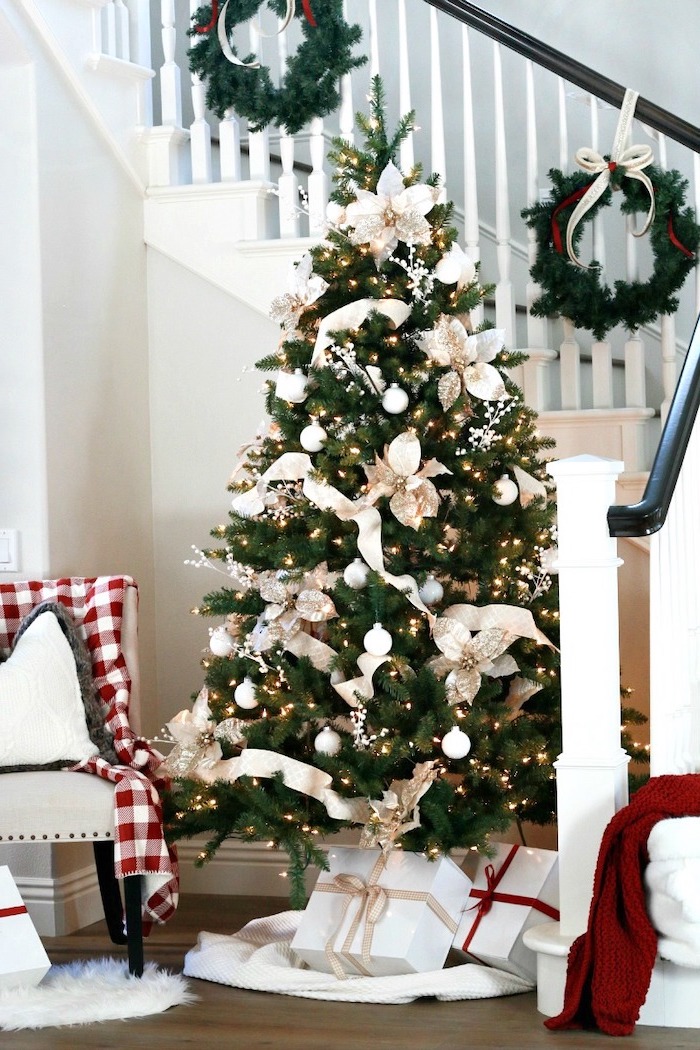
x: 294, y: 605
x: 197, y: 738
x: 413, y: 496
x: 305, y: 287
x: 394, y: 213
x: 473, y: 641
x: 467, y: 356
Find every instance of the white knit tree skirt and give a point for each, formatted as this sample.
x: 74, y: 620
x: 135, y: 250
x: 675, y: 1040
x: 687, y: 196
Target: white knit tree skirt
x: 260, y: 958
x: 85, y: 992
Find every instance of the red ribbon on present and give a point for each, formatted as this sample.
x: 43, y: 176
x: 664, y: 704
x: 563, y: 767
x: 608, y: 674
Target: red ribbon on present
x: 20, y: 909
x: 487, y: 897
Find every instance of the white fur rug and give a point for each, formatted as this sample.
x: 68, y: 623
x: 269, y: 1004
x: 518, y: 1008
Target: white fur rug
x: 96, y: 990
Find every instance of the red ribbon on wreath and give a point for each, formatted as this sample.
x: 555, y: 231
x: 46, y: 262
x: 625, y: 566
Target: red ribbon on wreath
x: 577, y: 195
x: 306, y: 4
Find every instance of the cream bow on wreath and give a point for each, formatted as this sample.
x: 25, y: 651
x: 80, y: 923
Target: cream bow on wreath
x: 394, y: 213
x: 305, y: 287
x: 413, y: 497
x: 226, y: 46
x: 197, y: 737
x: 469, y: 656
x: 451, y: 346
x: 632, y: 160
x: 397, y: 812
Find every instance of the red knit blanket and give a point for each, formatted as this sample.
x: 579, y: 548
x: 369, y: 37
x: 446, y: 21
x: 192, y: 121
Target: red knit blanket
x: 610, y: 966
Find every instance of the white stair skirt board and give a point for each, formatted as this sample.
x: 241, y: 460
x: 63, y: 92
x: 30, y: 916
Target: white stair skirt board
x: 59, y: 905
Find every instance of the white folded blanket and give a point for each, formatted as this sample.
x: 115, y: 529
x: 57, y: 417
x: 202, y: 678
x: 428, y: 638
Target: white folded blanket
x: 672, y: 880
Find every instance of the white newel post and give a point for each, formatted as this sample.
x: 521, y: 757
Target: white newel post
x: 592, y: 768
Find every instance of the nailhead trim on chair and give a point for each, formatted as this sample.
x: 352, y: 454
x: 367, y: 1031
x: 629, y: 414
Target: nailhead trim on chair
x: 83, y: 835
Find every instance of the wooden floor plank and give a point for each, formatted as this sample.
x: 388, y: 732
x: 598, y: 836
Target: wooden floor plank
x: 228, y: 1017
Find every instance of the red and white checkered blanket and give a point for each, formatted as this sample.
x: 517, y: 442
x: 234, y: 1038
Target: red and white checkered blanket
x: 96, y: 605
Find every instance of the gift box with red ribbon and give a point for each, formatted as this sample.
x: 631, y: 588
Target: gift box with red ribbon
x: 23, y: 960
x: 380, y: 914
x: 516, y: 888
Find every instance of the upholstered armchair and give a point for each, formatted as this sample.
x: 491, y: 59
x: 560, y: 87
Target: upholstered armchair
x: 111, y: 800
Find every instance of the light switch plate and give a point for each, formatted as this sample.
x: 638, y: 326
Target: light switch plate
x: 9, y: 550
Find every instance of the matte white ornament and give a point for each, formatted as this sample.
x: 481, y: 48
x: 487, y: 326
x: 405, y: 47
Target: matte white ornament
x: 291, y: 386
x: 431, y: 591
x: 506, y: 491
x: 220, y: 641
x: 327, y: 742
x: 356, y: 574
x: 313, y: 437
x: 395, y: 400
x: 456, y: 744
x: 378, y: 642
x: 244, y: 695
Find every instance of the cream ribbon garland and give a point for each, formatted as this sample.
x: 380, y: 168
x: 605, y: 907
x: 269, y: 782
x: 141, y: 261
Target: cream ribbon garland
x: 351, y: 317
x: 632, y: 160
x: 299, y: 776
x: 372, y: 899
x: 226, y: 46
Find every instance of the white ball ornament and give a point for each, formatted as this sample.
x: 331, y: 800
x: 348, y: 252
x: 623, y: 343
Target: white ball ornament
x: 395, y: 400
x: 244, y: 695
x: 431, y: 591
x: 378, y: 642
x: 327, y: 742
x: 220, y: 641
x: 506, y: 491
x: 292, y: 386
x: 456, y: 744
x: 313, y: 437
x: 356, y: 574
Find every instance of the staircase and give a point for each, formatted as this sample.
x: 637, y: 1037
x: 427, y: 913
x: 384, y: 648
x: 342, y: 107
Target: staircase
x: 165, y: 334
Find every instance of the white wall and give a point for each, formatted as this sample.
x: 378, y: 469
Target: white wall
x: 203, y: 407
x: 74, y: 427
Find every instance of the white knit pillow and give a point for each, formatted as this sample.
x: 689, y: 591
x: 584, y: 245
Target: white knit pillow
x: 42, y: 718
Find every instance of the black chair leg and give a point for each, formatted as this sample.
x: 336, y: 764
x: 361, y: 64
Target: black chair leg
x: 109, y: 891
x: 114, y: 911
x: 134, y: 929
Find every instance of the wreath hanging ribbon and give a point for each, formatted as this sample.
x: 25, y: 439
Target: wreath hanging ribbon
x: 576, y: 291
x: 309, y: 87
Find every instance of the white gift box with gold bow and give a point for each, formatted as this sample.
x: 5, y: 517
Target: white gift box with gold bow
x: 515, y: 889
x: 381, y: 914
x: 23, y: 961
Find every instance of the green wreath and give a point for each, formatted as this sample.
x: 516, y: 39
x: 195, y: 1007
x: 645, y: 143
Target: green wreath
x: 571, y: 291
x: 310, y: 85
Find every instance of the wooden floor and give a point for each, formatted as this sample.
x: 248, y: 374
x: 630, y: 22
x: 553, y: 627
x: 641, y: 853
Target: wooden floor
x: 227, y: 1017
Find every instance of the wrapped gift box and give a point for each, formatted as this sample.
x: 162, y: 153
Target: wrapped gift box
x: 381, y: 915
x: 23, y: 960
x: 515, y: 889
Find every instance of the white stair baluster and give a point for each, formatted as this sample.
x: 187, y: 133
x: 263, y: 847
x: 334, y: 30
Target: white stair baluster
x: 669, y: 358
x: 635, y: 372
x: 597, y: 224
x: 535, y: 370
x: 109, y: 35
x: 696, y: 181
x: 200, y: 132
x: 258, y: 141
x: 318, y: 180
x: 406, y: 155
x: 471, y: 206
x: 230, y: 148
x: 505, y: 306
x: 437, y: 123
x: 346, y: 117
x: 601, y: 351
x: 373, y: 40
x: 170, y: 91
x: 564, y: 160
x: 288, y: 183
x: 121, y: 16
x: 140, y: 33
x: 570, y: 367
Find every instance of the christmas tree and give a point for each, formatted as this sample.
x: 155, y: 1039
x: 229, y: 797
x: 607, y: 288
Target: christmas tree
x: 385, y: 656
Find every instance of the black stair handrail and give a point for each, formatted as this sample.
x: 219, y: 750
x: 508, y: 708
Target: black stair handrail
x: 647, y: 516
x: 570, y: 70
